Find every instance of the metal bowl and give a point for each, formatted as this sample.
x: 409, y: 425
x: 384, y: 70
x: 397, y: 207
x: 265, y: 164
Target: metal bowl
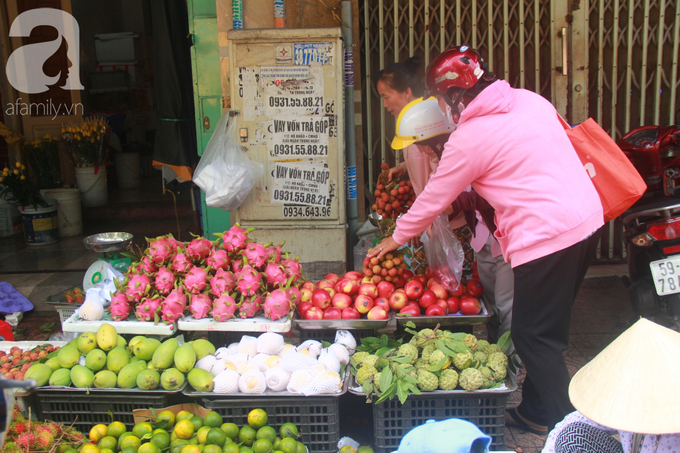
x: 374, y: 218
x: 108, y: 242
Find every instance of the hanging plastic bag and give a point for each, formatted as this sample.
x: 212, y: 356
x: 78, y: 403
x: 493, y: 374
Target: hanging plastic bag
x: 444, y: 253
x: 225, y: 173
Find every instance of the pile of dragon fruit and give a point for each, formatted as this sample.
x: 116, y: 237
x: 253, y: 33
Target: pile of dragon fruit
x: 233, y: 276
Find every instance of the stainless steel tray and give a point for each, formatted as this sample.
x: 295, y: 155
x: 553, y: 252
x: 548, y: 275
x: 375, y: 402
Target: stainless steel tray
x: 343, y: 324
x: 510, y: 384
x: 448, y: 320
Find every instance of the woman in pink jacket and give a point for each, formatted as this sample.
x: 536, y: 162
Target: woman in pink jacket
x: 510, y: 146
x: 399, y: 84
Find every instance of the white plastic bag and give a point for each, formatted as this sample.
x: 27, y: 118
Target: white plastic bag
x: 444, y: 253
x: 225, y: 173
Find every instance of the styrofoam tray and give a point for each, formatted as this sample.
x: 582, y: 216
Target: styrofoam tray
x: 256, y: 324
x: 75, y: 324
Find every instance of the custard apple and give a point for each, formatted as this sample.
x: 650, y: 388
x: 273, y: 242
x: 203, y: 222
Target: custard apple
x: 482, y: 345
x: 408, y: 350
x: 427, y: 381
x: 437, y: 356
x: 370, y: 360
x: 499, y: 357
x: 480, y: 357
x: 427, y: 350
x: 423, y: 336
x: 491, y: 349
x: 499, y: 370
x: 376, y: 380
x: 421, y: 363
x: 364, y: 373
x: 471, y: 379
x: 358, y: 358
x: 462, y: 360
x: 448, y: 380
x: 470, y: 341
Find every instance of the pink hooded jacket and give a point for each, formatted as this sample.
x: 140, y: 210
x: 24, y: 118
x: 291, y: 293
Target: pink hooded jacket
x: 511, y: 148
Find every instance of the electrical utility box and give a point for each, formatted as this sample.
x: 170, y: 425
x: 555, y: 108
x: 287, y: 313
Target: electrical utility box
x: 287, y: 85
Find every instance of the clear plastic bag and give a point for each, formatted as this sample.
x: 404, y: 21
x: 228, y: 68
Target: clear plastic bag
x: 444, y: 253
x: 225, y: 173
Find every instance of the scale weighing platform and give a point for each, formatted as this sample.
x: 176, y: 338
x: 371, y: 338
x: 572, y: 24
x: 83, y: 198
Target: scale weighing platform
x: 108, y: 244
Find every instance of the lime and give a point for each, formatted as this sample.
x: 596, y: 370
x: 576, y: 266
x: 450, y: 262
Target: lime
x: 184, y: 429
x: 106, y: 450
x: 230, y: 429
x: 267, y: 432
x: 245, y: 450
x: 289, y: 430
x: 130, y: 441
x: 169, y: 417
x: 276, y: 443
x: 140, y: 429
x: 348, y: 449
x: 216, y: 437
x: 177, y: 445
x: 129, y: 450
x: 257, y: 418
x: 194, y: 441
x: 158, y: 430
x: 183, y: 415
x: 191, y: 449
x: 148, y: 448
x: 262, y: 446
x: 97, y: 433
x: 89, y: 448
x: 365, y: 449
x: 173, y: 436
x: 213, y: 419
x: 123, y: 436
x: 202, y: 434
x: 247, y: 435
x: 301, y: 448
x: 115, y: 429
x: 197, y: 422
x: 212, y: 449
x: 288, y: 445
x: 109, y: 442
x: 230, y: 448
x: 161, y: 439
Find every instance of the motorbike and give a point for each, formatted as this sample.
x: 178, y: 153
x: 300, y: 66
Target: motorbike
x: 652, y: 225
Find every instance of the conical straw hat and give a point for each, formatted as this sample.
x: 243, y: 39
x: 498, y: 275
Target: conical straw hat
x: 632, y: 385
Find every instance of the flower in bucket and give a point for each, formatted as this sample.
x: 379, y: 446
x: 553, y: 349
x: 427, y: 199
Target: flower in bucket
x: 87, y: 142
x: 16, y: 188
x: 43, y: 155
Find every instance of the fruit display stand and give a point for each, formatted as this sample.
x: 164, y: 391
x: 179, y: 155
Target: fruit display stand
x: 134, y: 327
x: 485, y: 408
x: 256, y: 324
x: 325, y: 329
x: 447, y: 320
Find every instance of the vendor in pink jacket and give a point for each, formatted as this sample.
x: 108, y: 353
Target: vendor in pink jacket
x: 510, y: 146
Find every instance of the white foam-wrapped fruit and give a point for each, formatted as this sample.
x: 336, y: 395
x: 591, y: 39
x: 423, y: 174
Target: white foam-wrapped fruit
x: 270, y: 343
x: 277, y: 379
x: 226, y: 382
x: 252, y: 382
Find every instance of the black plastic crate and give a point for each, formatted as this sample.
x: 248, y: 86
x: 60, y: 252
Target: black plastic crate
x: 94, y: 408
x: 317, y: 418
x: 392, y: 420
x: 329, y: 334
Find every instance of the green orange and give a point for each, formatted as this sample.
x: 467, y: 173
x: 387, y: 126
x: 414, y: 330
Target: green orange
x: 213, y: 419
x: 257, y: 418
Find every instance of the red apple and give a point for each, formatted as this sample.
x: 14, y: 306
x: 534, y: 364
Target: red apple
x: 382, y: 302
x: 353, y: 275
x: 474, y: 287
x: 363, y: 303
x: 331, y: 291
x: 308, y: 285
x: 413, y: 289
x: 398, y: 300
x: 410, y: 310
x: 428, y: 298
x: 321, y: 299
x: 303, y: 307
x: 333, y: 278
x: 369, y: 289
x: 341, y: 301
x: 385, y: 289
x: 454, y: 304
x: 306, y: 294
x: 350, y: 313
x: 435, y: 310
x: 377, y: 313
x: 407, y: 274
x: 413, y: 303
x: 421, y: 279
x: 314, y: 313
x: 323, y: 284
x: 439, y: 291
x: 470, y: 305
x: 347, y: 286
x: 332, y: 313
x: 442, y: 303
x: 401, y: 281
x: 430, y: 282
x: 459, y: 290
x: 367, y: 279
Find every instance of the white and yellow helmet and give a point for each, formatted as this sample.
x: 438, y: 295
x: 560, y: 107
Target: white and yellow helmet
x: 419, y: 120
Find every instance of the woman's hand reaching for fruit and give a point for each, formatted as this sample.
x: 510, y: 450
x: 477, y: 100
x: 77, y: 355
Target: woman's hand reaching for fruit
x: 387, y: 245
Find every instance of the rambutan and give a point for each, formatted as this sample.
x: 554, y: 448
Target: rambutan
x: 44, y: 441
x: 10, y: 447
x: 17, y: 428
x: 49, y: 427
x: 17, y: 415
x: 26, y: 440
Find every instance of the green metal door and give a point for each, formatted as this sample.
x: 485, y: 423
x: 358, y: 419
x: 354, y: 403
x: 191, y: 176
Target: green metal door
x: 205, y: 61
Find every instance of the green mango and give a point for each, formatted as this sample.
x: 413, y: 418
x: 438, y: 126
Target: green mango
x: 107, y: 337
x: 95, y: 359
x: 117, y: 358
x: 53, y: 363
x: 62, y: 376
x: 201, y: 380
x: 172, y: 379
x: 68, y: 356
x: 40, y: 372
x: 163, y: 356
x: 82, y: 377
x: 105, y: 379
x: 148, y: 380
x: 202, y: 347
x: 185, y: 358
x: 146, y: 348
x: 87, y: 342
x: 127, y: 377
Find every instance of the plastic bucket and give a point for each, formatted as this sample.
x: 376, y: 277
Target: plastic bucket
x: 41, y: 225
x: 128, y: 171
x: 92, y: 184
x: 69, y: 214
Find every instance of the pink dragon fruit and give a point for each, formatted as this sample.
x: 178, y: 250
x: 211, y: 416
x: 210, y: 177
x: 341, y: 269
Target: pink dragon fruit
x: 148, y: 266
x: 160, y: 250
x: 200, y: 305
x: 249, y: 281
x: 274, y: 253
x: 277, y: 305
x: 218, y: 259
x: 196, y: 279
x: 173, y: 306
x: 181, y: 264
x: 222, y: 282
x: 234, y: 239
x: 292, y: 269
x: 174, y: 243
x: 294, y: 295
x: 164, y: 281
x: 274, y: 274
x: 224, y: 308
x: 256, y: 254
x: 134, y: 269
x: 147, y: 308
x: 137, y: 287
x: 199, y: 248
x: 120, y: 307
x: 237, y: 265
x: 250, y: 307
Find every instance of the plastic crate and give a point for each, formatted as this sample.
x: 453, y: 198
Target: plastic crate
x: 329, y: 334
x: 94, y: 408
x: 66, y: 312
x: 392, y: 420
x: 317, y: 418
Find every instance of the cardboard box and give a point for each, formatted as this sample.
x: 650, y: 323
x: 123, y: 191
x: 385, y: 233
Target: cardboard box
x: 116, y: 46
x: 142, y: 415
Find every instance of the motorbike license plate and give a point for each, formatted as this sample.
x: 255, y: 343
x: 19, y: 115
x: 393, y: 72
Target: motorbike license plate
x: 666, y: 275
